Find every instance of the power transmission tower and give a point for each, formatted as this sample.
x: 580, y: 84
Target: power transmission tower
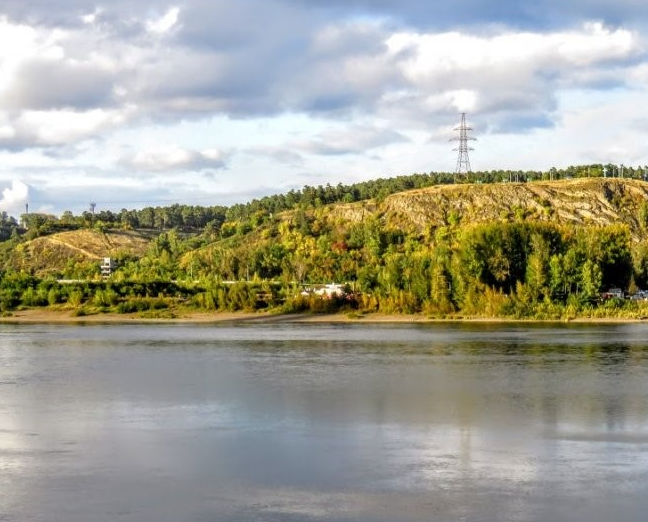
x: 463, y: 161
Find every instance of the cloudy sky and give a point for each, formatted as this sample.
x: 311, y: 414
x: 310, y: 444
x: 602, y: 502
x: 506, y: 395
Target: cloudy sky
x: 129, y: 103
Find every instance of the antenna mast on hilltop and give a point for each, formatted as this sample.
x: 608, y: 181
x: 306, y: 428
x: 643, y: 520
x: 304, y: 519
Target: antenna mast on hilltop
x: 463, y: 161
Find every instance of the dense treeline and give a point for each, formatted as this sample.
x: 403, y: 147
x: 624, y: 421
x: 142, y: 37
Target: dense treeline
x: 250, y: 215
x: 252, y: 256
x: 525, y: 266
x: 520, y: 269
x: 186, y: 217
x: 8, y: 226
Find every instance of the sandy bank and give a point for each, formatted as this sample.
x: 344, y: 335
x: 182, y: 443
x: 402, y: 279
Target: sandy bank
x: 44, y: 315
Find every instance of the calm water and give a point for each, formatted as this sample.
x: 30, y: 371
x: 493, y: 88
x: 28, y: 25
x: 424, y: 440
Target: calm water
x: 323, y: 423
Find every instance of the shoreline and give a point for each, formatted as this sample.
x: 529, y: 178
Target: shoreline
x: 47, y: 316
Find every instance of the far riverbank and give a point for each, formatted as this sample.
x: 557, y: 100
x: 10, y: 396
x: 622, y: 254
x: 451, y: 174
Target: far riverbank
x: 49, y: 316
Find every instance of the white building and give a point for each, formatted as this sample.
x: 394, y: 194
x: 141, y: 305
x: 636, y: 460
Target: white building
x: 107, y: 266
x: 326, y: 291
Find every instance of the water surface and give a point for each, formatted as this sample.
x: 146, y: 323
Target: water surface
x: 323, y: 423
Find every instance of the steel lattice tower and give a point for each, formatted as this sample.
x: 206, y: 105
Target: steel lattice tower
x: 463, y: 161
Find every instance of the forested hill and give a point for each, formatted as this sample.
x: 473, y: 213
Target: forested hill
x: 415, y: 214
x: 76, y: 253
x: 585, y: 201
x: 538, y: 248
x: 323, y: 243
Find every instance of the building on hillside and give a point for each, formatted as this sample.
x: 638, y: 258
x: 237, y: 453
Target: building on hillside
x: 108, y: 266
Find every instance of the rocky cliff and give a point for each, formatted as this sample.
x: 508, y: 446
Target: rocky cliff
x: 585, y: 201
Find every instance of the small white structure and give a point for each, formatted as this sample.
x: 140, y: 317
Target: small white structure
x: 612, y: 293
x: 330, y: 290
x: 107, y: 266
x: 326, y: 291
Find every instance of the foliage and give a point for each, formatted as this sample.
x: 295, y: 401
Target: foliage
x: 263, y: 254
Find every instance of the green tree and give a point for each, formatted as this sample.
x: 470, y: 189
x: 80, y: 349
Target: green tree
x: 538, y: 268
x: 591, y: 280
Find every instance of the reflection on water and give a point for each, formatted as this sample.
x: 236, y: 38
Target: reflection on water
x: 323, y: 422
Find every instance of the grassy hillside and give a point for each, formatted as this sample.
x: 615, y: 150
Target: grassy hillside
x: 355, y: 241
x: 415, y: 213
x: 581, y: 202
x: 52, y: 254
x: 538, y: 249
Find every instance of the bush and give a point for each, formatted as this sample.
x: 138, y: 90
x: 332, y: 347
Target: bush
x: 142, y: 304
x: 132, y: 305
x: 75, y: 298
x: 53, y: 296
x: 295, y: 304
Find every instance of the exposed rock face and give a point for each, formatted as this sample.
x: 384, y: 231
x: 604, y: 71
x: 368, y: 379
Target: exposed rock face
x: 586, y: 201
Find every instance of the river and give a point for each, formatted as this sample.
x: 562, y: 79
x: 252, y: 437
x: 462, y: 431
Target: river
x: 295, y: 422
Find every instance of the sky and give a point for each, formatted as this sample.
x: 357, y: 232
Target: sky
x: 133, y: 103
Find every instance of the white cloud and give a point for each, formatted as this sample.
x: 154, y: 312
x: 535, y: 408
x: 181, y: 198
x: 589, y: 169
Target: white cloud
x: 91, y: 18
x: 56, y: 127
x: 14, y: 197
x: 511, y: 78
x: 314, y: 96
x: 354, y: 139
x: 508, y: 71
x: 19, y: 43
x: 7, y: 132
x: 48, y: 94
x: 174, y: 158
x: 164, y: 23
x: 464, y: 100
x: 429, y: 54
x: 92, y: 78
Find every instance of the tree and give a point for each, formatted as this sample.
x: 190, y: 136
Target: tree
x: 440, y: 288
x: 591, y: 279
x: 640, y: 264
x: 538, y: 267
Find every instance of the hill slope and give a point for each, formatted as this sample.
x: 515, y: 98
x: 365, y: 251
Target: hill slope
x: 51, y: 254
x: 579, y: 202
x: 339, y: 241
x: 585, y: 201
